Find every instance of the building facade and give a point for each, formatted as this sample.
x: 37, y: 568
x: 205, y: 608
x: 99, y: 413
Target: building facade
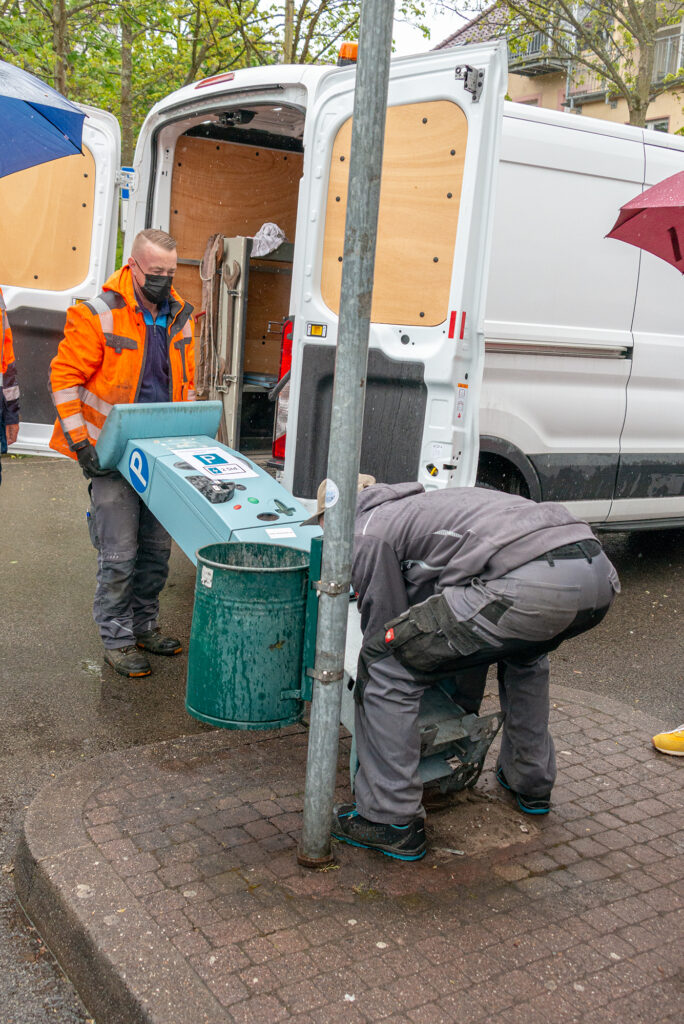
x: 539, y: 78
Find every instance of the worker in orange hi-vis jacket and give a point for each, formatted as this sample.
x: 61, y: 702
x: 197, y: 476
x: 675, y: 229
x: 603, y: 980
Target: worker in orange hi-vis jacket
x: 9, y: 389
x: 132, y: 343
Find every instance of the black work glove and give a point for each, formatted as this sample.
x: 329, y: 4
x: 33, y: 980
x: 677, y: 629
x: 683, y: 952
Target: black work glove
x: 88, y: 460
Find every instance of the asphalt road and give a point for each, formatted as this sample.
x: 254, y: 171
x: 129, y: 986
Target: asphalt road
x: 62, y: 705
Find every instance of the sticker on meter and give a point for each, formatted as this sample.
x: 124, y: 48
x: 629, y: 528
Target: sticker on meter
x: 215, y: 463
x: 280, y: 532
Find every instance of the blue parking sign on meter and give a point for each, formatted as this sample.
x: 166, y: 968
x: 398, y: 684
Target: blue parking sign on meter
x: 214, y: 462
x: 138, y: 470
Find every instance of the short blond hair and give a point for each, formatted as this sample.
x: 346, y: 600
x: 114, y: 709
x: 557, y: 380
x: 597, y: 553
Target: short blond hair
x: 153, y: 236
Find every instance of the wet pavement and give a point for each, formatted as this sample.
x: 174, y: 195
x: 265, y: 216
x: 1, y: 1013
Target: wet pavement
x: 62, y: 709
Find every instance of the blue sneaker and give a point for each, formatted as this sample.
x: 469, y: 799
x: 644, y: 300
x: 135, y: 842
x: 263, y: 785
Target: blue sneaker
x: 527, y: 804
x: 403, y: 842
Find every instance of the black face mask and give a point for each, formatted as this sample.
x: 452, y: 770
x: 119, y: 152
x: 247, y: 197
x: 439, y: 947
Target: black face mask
x: 157, y: 288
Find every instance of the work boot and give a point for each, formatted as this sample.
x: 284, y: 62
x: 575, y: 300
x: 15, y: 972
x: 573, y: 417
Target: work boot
x: 670, y: 742
x: 127, y: 661
x: 528, y: 804
x: 153, y: 641
x: 403, y: 842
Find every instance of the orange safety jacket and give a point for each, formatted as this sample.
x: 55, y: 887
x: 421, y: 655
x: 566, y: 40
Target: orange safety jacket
x: 6, y: 344
x: 101, y: 360
x: 9, y: 389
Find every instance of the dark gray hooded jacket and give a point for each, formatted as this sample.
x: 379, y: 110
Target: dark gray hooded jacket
x: 410, y: 544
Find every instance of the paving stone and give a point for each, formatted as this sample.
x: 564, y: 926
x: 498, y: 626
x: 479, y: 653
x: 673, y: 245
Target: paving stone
x: 574, y: 923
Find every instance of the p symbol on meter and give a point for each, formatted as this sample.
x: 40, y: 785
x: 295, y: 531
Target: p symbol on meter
x: 138, y: 470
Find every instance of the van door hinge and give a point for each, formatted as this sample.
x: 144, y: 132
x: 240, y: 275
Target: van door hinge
x: 472, y: 78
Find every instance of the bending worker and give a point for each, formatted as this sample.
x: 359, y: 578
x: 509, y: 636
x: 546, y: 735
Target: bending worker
x: 9, y: 389
x: 132, y: 343
x: 448, y: 580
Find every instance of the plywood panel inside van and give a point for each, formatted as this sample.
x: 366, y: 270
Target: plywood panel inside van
x: 422, y: 174
x: 234, y: 189
x: 46, y: 224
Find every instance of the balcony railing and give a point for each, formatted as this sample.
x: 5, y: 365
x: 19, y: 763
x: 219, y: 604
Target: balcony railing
x: 668, y: 56
x: 534, y: 60
x: 587, y: 83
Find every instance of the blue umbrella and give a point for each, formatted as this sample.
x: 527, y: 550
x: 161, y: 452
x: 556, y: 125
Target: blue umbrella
x: 36, y: 123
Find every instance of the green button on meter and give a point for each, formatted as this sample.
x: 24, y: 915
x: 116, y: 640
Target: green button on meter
x: 254, y: 501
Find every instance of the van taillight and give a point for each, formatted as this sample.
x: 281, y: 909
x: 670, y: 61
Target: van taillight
x: 286, y: 347
x: 280, y: 425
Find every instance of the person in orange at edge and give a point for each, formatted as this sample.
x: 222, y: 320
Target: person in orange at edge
x: 9, y: 389
x: 132, y: 343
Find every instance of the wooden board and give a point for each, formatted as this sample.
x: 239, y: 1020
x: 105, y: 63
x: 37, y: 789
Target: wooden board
x: 229, y: 188
x: 46, y: 224
x: 268, y: 302
x: 234, y: 189
x: 422, y: 174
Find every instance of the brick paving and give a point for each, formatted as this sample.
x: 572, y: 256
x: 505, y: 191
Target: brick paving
x: 576, y: 917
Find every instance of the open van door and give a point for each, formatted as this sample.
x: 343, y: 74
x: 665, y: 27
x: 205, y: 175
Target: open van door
x: 426, y: 338
x: 57, y: 245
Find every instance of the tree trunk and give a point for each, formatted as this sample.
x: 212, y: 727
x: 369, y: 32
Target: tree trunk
x: 288, y: 55
x: 60, y: 45
x: 641, y: 91
x: 127, y: 139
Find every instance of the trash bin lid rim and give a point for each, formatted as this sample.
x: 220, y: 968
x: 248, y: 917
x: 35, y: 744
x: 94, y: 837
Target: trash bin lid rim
x: 201, y: 560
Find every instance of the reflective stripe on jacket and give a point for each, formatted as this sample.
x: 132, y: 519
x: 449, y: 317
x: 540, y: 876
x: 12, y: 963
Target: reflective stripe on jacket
x: 101, y: 360
x: 8, y: 370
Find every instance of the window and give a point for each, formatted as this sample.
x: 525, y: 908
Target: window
x: 658, y: 124
x: 668, y: 55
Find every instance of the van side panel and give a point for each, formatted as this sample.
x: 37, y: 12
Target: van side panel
x: 560, y: 303
x: 651, y: 474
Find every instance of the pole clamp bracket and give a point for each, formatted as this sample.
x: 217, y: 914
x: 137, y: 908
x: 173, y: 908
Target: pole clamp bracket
x: 331, y: 587
x: 325, y: 676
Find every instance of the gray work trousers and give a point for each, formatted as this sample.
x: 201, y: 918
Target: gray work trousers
x: 133, y: 551
x: 544, y: 600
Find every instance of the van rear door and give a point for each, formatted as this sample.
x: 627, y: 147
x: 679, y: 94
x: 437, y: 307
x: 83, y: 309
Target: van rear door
x: 57, y: 245
x: 426, y: 338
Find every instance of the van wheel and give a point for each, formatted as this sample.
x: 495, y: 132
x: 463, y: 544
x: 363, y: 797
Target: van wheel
x: 498, y: 474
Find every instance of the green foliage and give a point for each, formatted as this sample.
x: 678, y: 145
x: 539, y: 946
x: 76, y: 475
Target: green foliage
x: 612, y: 44
x: 125, y: 55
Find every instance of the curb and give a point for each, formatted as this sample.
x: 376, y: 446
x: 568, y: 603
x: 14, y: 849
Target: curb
x: 124, y: 969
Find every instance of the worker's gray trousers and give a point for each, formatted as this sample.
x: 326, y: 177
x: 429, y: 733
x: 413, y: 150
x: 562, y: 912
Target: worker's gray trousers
x: 133, y: 551
x: 544, y: 601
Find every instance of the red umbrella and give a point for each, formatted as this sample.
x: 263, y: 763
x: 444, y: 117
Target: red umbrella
x: 654, y: 221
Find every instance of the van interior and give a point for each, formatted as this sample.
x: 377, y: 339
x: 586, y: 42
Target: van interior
x: 232, y: 173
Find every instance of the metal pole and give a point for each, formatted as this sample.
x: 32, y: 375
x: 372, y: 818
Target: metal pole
x: 363, y: 198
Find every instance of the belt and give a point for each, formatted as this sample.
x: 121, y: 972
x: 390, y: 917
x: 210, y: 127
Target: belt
x: 580, y: 549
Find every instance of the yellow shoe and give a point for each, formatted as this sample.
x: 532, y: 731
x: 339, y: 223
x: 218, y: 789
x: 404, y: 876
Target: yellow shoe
x: 670, y: 742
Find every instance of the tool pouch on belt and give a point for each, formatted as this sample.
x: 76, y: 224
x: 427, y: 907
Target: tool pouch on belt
x: 428, y: 638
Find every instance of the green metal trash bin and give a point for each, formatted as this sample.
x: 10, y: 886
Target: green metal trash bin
x: 245, y: 654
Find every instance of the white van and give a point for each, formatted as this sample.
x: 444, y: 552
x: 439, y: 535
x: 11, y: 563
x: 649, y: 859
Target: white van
x: 583, y: 372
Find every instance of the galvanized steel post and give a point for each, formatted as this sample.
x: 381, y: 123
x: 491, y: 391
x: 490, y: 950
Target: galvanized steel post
x: 363, y: 198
